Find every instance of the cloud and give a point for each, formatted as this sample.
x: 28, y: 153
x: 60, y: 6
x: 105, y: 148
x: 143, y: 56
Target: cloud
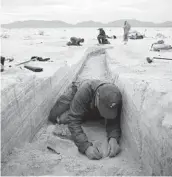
x: 73, y: 11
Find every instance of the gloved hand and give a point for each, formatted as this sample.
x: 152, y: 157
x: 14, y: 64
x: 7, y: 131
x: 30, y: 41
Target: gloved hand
x: 103, y: 147
x: 93, y: 153
x: 114, y: 147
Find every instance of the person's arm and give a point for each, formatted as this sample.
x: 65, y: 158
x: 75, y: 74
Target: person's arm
x: 77, y: 110
x: 113, y: 127
x: 108, y: 37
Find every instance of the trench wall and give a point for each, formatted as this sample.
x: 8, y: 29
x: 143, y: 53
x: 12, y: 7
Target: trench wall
x: 26, y: 105
x: 146, y: 117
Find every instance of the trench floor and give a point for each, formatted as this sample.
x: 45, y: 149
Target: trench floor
x: 34, y: 159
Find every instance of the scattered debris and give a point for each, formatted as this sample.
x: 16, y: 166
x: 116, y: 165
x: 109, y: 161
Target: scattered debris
x: 5, y: 36
x: 160, y: 45
x: 160, y: 35
x: 41, y: 33
x: 135, y: 35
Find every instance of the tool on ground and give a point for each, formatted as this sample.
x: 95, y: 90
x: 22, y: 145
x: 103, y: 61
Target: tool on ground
x: 150, y: 60
x: 52, y: 145
x: 33, y: 68
x: 32, y: 59
x: 40, y: 58
x: 43, y: 59
x: 52, y: 149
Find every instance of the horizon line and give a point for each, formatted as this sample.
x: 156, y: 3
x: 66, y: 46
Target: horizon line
x: 86, y: 21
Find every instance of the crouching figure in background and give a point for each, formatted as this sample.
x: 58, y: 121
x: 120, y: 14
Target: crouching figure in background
x: 93, y: 100
x: 75, y: 41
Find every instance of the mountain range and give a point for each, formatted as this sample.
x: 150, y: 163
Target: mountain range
x: 60, y: 24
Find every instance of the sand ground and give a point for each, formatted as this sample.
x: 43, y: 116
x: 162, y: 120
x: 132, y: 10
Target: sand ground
x: 34, y: 158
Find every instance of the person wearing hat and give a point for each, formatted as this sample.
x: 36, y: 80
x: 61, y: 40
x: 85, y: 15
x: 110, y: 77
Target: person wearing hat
x: 102, y: 37
x: 75, y: 41
x: 96, y: 99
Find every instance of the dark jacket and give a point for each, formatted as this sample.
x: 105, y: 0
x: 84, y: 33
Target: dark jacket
x: 82, y: 104
x: 102, y: 33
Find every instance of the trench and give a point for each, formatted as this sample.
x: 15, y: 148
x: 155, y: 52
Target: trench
x: 34, y: 159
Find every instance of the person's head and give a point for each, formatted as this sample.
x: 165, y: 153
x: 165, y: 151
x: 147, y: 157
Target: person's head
x: 69, y: 43
x: 100, y: 29
x: 82, y: 40
x: 108, y: 98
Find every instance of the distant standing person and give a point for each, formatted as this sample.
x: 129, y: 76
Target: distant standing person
x: 75, y: 41
x: 127, y: 28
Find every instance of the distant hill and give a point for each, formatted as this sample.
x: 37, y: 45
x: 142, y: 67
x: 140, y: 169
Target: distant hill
x: 36, y: 24
x: 134, y: 23
x: 59, y: 24
x: 90, y: 24
x: 167, y: 24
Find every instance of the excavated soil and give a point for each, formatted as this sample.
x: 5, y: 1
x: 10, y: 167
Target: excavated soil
x: 34, y: 159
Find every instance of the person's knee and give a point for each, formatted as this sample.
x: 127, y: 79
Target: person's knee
x: 64, y: 118
x: 52, y: 118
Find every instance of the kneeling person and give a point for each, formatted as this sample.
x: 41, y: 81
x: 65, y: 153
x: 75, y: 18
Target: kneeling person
x: 104, y: 100
x: 102, y: 37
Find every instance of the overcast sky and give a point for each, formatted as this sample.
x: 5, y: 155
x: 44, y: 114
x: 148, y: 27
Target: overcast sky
x: 73, y: 11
